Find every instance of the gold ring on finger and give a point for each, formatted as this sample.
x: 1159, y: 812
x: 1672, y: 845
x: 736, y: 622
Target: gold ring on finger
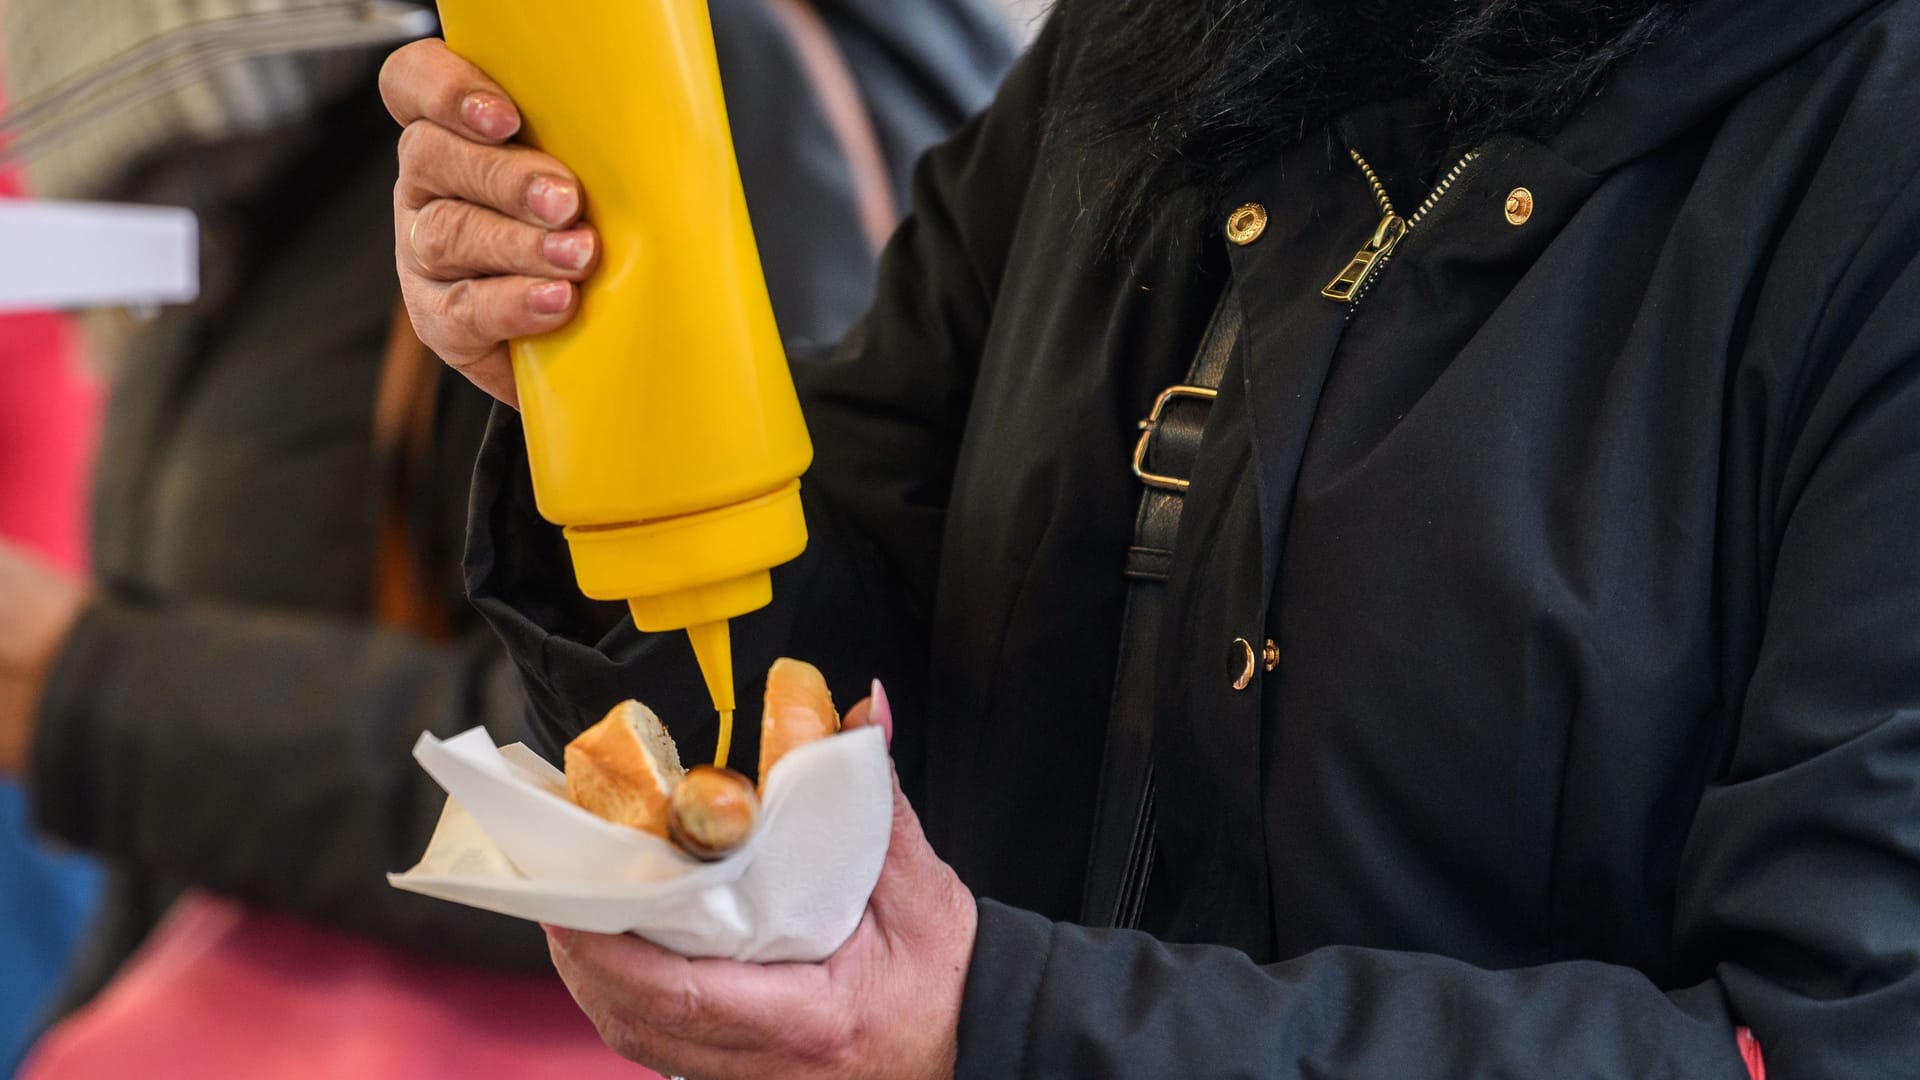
x: 413, y: 244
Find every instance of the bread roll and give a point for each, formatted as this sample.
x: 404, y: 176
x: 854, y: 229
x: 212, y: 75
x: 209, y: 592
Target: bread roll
x: 798, y: 710
x: 713, y: 812
x: 625, y: 769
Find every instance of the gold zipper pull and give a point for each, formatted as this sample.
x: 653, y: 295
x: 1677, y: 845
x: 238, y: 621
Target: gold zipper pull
x: 1393, y: 228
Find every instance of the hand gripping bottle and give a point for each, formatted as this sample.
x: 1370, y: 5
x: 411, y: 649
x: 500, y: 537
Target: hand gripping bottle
x: 662, y: 424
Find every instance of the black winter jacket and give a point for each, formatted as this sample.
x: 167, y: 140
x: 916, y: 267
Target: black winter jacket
x: 227, y: 716
x: 1586, y: 543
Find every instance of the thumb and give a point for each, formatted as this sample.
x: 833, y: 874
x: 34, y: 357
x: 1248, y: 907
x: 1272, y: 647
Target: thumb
x: 912, y: 877
x: 913, y: 880
x: 877, y: 711
x: 874, y: 711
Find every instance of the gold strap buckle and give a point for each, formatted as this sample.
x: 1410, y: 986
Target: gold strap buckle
x: 1152, y: 424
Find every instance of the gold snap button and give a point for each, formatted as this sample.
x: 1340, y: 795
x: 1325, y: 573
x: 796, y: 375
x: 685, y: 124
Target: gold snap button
x: 1519, y: 206
x: 1270, y: 655
x: 1245, y: 225
x: 1241, y: 656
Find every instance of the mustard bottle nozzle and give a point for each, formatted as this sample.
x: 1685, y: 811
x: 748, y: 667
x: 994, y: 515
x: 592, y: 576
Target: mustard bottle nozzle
x: 713, y: 648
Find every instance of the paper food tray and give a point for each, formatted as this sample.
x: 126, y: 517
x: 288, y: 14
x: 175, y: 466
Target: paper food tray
x: 510, y: 842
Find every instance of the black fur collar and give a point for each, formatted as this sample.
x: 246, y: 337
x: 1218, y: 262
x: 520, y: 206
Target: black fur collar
x: 1180, y: 98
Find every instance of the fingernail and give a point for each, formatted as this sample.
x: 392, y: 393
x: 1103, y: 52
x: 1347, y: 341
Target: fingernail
x: 882, y: 711
x: 550, y: 297
x: 494, y: 117
x: 552, y: 200
x: 558, y: 936
x: 569, y: 250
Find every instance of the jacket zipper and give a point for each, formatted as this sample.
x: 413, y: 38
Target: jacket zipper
x: 1353, y: 282
x: 1348, y: 288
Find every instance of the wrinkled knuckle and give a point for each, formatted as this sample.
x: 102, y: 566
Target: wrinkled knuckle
x: 682, y: 1010
x: 495, y: 172
x: 432, y: 232
x: 463, y: 312
x: 457, y: 298
x: 504, y: 244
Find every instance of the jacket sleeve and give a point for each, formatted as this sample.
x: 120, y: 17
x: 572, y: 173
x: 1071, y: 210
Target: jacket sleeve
x: 1798, y: 909
x: 1047, y: 999
x: 885, y: 410
x: 268, y: 758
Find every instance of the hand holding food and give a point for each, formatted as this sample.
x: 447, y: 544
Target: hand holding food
x: 886, y: 1004
x: 627, y: 770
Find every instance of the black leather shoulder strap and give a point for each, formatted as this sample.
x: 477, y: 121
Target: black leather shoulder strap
x: 1121, y: 855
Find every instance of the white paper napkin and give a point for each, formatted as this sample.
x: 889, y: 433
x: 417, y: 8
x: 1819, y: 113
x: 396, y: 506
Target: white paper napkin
x: 509, y: 841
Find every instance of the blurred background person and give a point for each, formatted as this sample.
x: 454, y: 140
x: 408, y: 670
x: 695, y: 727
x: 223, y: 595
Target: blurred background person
x: 276, y: 613
x: 48, y: 416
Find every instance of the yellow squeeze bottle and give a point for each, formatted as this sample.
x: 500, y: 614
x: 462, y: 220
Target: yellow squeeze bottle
x: 662, y: 424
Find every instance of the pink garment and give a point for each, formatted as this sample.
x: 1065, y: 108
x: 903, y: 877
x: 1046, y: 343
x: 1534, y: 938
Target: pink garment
x: 49, y: 414
x: 49, y: 417
x: 225, y: 990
